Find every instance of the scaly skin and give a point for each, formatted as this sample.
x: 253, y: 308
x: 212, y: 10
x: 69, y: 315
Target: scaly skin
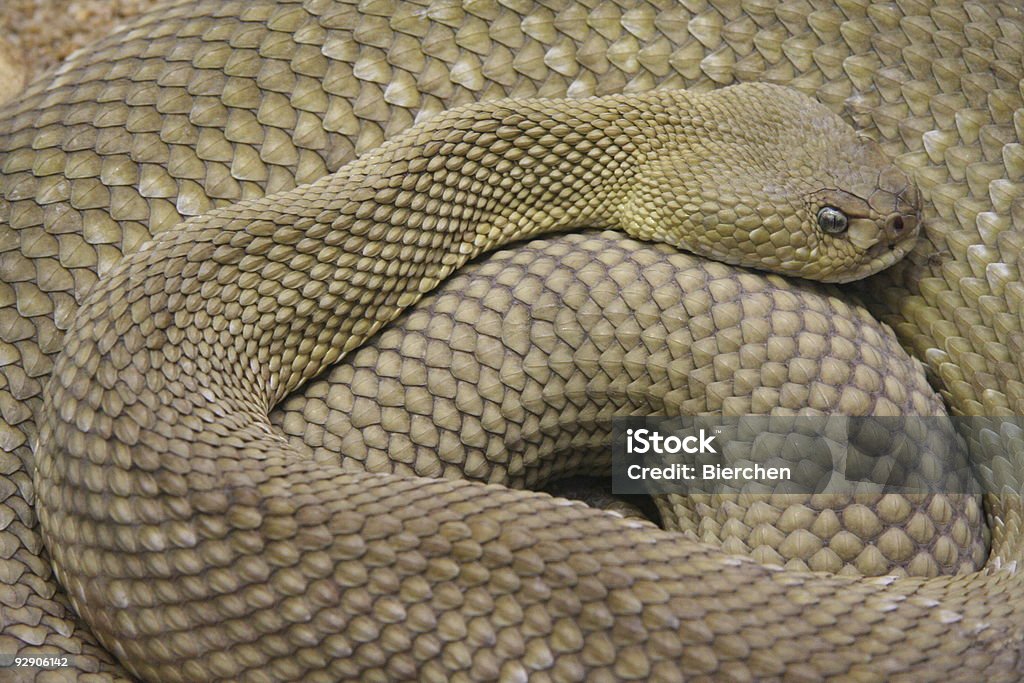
x: 176, y: 356
x: 64, y: 147
x: 512, y: 373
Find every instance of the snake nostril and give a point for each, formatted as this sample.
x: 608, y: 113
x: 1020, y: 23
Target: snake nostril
x: 894, y: 226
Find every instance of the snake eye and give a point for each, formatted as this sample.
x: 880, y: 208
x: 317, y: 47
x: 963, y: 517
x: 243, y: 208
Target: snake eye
x: 831, y: 220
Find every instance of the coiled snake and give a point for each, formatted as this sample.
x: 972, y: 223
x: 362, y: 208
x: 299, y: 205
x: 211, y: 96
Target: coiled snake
x: 274, y: 569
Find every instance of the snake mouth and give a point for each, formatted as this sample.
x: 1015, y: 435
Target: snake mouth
x: 893, y: 251
x: 886, y: 254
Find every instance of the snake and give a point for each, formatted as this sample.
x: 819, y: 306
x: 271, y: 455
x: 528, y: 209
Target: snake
x: 205, y: 104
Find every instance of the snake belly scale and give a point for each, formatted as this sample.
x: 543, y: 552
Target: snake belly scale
x: 958, y: 313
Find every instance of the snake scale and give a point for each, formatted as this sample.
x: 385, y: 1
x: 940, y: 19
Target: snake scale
x: 202, y: 104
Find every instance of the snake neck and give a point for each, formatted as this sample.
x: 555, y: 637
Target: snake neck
x: 489, y: 174
x: 374, y: 237
x: 282, y: 293
x: 400, y: 220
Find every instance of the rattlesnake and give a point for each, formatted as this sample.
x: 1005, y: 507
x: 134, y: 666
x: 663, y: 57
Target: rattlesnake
x: 943, y: 629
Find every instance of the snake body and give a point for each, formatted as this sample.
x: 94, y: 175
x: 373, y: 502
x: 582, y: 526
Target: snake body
x: 513, y: 371
x: 128, y: 137
x: 175, y: 358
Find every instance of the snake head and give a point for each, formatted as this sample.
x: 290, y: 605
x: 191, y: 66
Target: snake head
x: 871, y: 216
x: 764, y: 177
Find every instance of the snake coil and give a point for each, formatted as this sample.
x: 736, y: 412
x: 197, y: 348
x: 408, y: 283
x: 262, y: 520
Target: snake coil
x: 242, y: 563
